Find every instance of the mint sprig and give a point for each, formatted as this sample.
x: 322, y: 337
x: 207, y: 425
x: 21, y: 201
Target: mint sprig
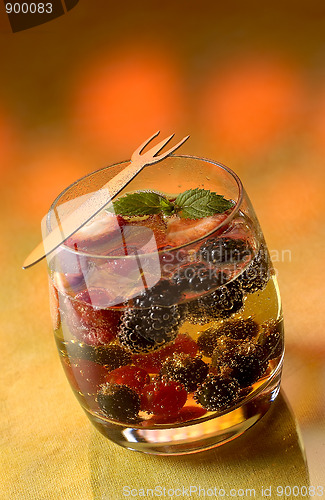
x: 192, y: 204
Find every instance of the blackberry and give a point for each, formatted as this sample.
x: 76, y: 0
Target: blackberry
x: 217, y: 393
x: 210, y: 340
x: 184, y: 369
x: 221, y: 303
x: 244, y: 362
x: 119, y: 402
x: 197, y: 277
x: 225, y: 251
x: 207, y: 341
x: 153, y: 320
x: 271, y: 339
x: 111, y: 356
x: 237, y: 329
x: 256, y: 275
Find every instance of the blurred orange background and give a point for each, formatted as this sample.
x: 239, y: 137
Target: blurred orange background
x: 246, y: 80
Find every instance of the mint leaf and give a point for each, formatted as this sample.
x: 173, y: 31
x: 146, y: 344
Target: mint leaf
x: 198, y: 203
x: 219, y: 204
x: 142, y: 203
x: 192, y: 204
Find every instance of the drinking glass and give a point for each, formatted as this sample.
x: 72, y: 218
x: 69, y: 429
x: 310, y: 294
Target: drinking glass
x: 171, y: 344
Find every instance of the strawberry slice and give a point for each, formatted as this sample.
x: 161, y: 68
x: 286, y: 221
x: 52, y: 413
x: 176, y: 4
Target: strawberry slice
x: 92, y: 324
x: 99, y: 232
x: 181, y: 231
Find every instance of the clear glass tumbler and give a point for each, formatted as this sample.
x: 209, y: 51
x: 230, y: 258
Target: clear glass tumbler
x: 169, y: 330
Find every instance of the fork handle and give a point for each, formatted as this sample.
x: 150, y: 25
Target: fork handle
x: 93, y: 205
x: 123, y: 178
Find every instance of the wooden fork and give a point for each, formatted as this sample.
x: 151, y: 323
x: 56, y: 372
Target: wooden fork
x: 98, y: 200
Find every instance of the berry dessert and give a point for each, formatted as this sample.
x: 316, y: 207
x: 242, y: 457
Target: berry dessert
x: 172, y: 326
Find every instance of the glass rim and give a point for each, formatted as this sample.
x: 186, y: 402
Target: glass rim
x: 226, y: 221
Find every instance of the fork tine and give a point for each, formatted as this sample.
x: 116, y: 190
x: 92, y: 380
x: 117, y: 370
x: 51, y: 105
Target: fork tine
x: 171, y: 150
x: 158, y: 147
x: 139, y: 150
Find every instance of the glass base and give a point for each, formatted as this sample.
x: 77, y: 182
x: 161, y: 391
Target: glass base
x: 186, y: 438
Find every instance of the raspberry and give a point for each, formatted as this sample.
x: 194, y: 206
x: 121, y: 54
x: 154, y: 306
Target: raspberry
x: 256, y: 275
x: 163, y: 398
x: 217, y: 393
x: 119, y: 402
x: 197, y: 277
x: 243, y: 362
x: 225, y: 250
x: 221, y: 303
x: 92, y: 324
x: 271, y: 339
x: 132, y: 376
x: 84, y: 376
x: 153, y: 362
x: 184, y: 369
x: 154, y: 320
x: 111, y: 356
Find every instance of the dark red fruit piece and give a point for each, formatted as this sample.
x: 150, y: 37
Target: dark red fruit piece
x: 163, y: 398
x: 119, y: 402
x: 84, y: 376
x: 88, y: 318
x: 132, y: 376
x: 152, y: 363
x: 184, y: 415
